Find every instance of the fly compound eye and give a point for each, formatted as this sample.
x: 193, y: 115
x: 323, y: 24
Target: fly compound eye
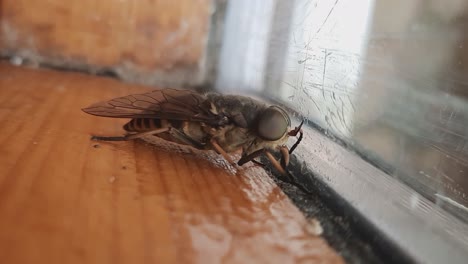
x: 273, y: 123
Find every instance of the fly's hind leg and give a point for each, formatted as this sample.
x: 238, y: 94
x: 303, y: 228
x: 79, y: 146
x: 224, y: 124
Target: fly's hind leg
x: 131, y: 136
x: 147, y: 133
x: 100, y: 138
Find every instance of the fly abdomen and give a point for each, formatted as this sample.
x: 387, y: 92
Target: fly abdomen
x: 147, y: 124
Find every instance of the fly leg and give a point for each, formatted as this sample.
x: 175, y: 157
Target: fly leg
x: 275, y: 163
x: 100, y: 138
x: 293, y: 133
x: 131, y: 136
x: 251, y: 157
x: 280, y: 166
x: 186, y: 139
x: 285, y: 153
x: 284, y: 162
x: 221, y: 151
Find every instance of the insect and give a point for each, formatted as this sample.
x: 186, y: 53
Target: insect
x: 223, y: 123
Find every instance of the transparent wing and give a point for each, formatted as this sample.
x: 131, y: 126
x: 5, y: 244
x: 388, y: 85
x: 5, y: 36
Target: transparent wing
x: 162, y: 104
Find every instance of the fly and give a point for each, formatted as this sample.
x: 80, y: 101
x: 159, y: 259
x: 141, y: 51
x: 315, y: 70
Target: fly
x: 223, y: 123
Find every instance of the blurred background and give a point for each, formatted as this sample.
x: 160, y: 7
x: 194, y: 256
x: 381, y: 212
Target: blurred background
x: 386, y: 78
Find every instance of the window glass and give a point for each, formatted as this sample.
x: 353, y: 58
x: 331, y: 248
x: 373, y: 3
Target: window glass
x: 390, y: 79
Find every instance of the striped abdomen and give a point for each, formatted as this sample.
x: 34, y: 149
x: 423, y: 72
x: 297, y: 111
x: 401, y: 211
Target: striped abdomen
x: 184, y: 132
x: 147, y: 124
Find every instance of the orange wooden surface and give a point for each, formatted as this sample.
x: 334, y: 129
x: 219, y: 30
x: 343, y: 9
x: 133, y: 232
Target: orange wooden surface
x: 143, y: 35
x: 66, y: 199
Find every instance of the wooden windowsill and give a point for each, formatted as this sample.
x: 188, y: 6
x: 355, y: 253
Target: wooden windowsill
x: 67, y: 199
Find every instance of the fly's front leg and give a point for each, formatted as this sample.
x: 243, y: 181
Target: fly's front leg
x: 284, y: 161
x: 280, y: 166
x: 275, y: 163
x: 221, y: 151
x: 284, y: 156
x: 251, y: 157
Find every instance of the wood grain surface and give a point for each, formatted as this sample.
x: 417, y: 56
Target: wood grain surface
x: 67, y: 199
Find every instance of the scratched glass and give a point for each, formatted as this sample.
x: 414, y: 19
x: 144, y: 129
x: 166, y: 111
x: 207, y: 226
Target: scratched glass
x: 388, y: 77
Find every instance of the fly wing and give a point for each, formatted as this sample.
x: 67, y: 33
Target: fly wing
x: 162, y: 104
